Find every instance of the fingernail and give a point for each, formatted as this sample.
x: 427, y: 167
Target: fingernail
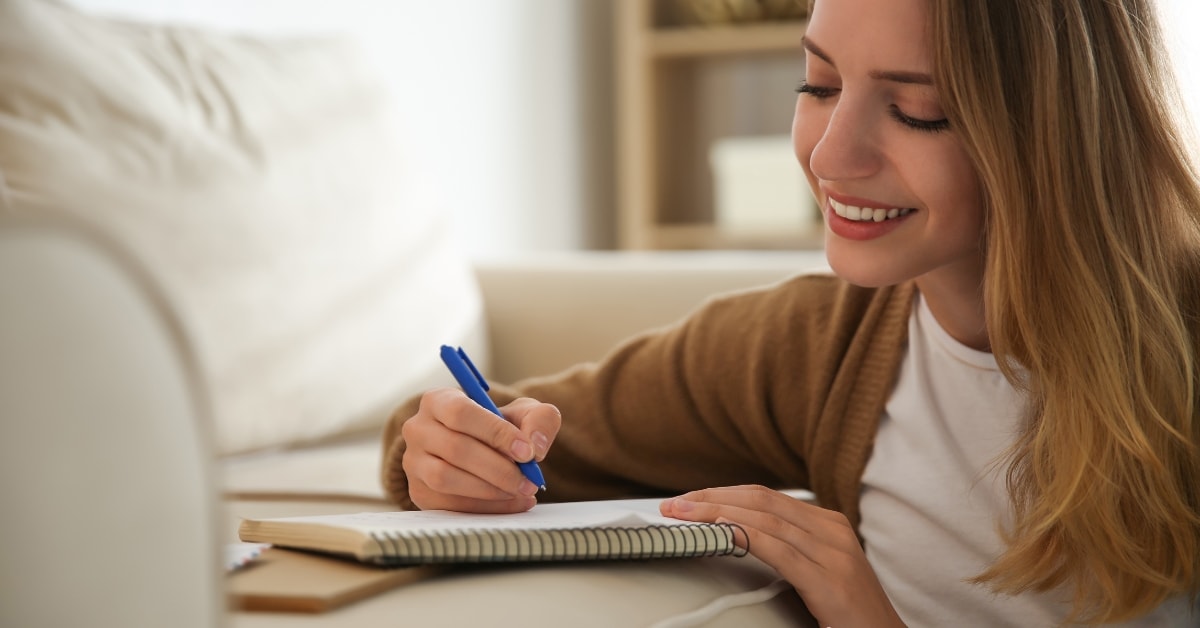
x: 528, y: 488
x: 682, y: 505
x: 521, y: 451
x: 540, y: 443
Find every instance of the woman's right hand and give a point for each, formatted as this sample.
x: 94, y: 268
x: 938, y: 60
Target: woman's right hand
x: 462, y: 457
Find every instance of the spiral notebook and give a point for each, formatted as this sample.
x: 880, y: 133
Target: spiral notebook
x: 596, y: 530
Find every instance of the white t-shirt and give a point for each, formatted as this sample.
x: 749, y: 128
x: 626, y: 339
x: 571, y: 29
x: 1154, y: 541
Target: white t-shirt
x: 933, y: 491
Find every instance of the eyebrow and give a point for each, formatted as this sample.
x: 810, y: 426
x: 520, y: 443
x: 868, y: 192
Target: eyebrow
x: 896, y: 76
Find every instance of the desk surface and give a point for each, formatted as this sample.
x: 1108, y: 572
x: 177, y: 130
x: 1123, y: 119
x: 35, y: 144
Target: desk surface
x: 601, y: 594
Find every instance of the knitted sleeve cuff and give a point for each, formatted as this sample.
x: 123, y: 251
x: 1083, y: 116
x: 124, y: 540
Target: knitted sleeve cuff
x: 394, y: 479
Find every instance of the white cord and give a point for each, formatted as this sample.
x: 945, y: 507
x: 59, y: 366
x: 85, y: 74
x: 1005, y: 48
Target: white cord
x: 722, y: 604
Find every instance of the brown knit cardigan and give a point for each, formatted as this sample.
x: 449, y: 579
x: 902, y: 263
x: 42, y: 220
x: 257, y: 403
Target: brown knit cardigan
x: 782, y: 386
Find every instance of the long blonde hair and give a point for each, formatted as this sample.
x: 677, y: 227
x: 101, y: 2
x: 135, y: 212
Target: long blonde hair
x: 1092, y: 290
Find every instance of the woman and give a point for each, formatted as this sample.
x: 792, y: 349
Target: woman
x: 997, y: 401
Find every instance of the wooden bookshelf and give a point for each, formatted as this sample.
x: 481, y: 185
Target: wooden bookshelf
x: 680, y: 88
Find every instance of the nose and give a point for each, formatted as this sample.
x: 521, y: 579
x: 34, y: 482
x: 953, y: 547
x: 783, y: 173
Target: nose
x: 847, y: 148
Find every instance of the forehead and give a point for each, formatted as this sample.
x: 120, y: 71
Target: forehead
x: 891, y: 33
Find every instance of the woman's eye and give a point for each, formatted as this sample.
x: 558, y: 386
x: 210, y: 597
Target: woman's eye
x: 920, y: 124
x: 815, y: 91
x: 931, y: 126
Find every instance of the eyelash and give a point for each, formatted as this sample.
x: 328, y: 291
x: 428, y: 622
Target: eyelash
x: 917, y: 124
x: 820, y: 93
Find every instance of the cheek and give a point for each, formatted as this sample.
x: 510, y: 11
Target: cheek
x: 958, y: 191
x: 968, y: 189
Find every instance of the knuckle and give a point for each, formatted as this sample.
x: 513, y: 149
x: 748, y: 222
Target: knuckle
x: 760, y: 496
x: 527, y: 409
x: 437, y: 477
x: 409, y: 463
x: 410, y: 429
x: 792, y: 555
x: 418, y: 470
x: 443, y: 405
x: 553, y: 415
x: 527, y: 402
x: 456, y: 409
x: 499, y: 433
x: 774, y: 525
x: 455, y: 449
x: 430, y: 399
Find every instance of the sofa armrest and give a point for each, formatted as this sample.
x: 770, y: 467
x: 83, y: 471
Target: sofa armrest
x: 548, y: 311
x: 109, y: 513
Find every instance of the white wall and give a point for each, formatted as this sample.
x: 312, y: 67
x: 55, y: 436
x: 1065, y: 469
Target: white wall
x: 507, y: 104
x: 1180, y: 20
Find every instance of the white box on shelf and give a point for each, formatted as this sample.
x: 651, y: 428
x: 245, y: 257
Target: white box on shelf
x: 759, y: 186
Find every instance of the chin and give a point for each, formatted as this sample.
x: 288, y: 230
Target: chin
x: 867, y: 271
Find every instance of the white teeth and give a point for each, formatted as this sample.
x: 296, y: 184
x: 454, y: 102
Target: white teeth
x: 866, y: 214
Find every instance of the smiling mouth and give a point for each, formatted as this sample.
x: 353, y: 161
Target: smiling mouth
x: 867, y: 214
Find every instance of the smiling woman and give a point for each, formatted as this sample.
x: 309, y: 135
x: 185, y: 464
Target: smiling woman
x: 996, y: 401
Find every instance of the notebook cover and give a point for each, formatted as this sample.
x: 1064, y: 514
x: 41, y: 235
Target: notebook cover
x: 284, y: 580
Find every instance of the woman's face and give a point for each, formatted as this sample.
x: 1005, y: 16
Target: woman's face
x: 901, y: 199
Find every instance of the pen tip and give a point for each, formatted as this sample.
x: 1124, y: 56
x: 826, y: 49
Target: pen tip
x: 543, y: 487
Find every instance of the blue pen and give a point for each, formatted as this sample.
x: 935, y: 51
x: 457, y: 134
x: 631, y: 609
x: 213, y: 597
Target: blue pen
x: 476, y: 387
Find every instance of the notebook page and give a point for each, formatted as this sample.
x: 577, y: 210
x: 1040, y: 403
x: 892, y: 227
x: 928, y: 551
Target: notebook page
x: 620, y: 513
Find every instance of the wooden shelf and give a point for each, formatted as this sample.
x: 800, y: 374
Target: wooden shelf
x: 680, y: 42
x: 682, y: 88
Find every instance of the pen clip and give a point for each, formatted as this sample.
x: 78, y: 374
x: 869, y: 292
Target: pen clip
x: 474, y: 371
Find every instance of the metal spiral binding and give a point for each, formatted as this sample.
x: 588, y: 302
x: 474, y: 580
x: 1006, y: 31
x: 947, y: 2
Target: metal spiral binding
x: 559, y: 544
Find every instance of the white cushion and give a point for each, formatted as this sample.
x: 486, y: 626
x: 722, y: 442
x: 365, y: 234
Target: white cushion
x: 259, y: 181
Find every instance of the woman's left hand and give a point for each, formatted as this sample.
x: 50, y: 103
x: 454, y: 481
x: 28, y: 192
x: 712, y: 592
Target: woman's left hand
x: 815, y: 549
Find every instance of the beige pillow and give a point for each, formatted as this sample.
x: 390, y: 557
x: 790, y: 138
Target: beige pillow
x: 260, y: 183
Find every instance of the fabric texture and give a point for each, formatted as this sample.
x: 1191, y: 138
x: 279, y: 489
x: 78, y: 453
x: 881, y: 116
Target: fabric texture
x: 782, y: 386
x: 260, y: 182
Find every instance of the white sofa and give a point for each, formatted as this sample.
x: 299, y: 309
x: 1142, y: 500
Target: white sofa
x: 216, y: 282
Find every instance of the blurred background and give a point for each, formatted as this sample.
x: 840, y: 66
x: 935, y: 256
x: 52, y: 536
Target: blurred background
x: 222, y: 252
x: 512, y: 112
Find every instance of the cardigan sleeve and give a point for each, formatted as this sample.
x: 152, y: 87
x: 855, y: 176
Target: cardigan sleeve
x: 729, y: 395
